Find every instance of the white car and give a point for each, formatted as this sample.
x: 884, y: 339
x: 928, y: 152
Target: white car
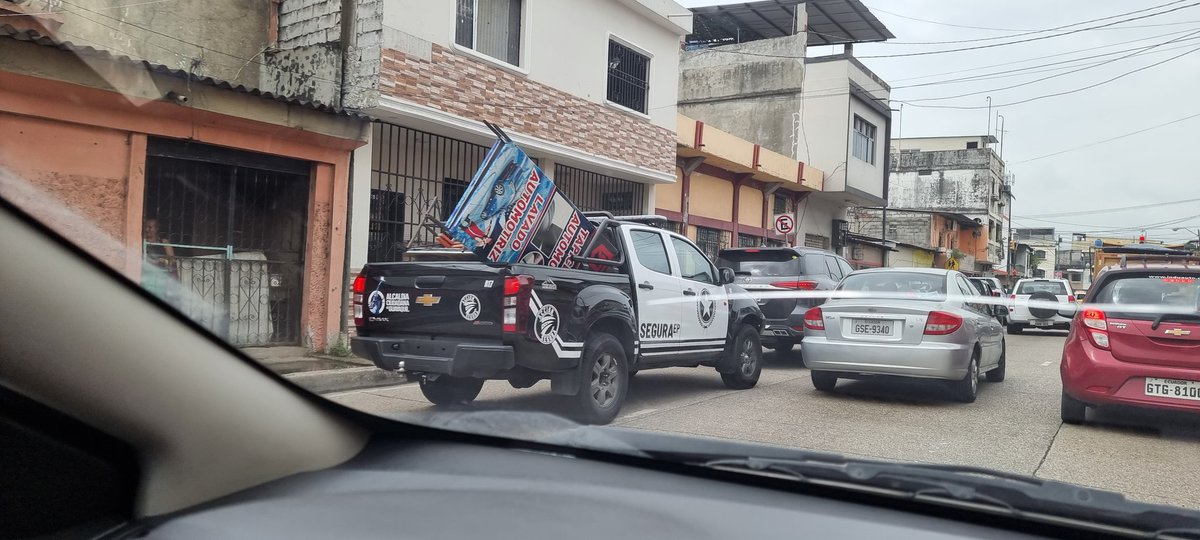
x: 1039, y: 291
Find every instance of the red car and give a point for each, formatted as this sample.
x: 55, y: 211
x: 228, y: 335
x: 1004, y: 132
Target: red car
x: 1135, y: 341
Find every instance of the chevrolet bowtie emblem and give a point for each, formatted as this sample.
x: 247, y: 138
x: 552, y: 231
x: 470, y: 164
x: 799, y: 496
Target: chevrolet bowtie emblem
x: 427, y: 299
x: 1177, y: 332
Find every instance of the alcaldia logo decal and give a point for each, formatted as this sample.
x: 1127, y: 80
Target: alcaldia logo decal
x: 468, y: 307
x: 706, y: 308
x: 657, y: 330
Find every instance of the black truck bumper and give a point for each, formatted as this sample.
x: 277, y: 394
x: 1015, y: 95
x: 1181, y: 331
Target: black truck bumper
x: 454, y: 357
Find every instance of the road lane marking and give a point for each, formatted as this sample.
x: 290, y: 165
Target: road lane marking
x: 1046, y: 363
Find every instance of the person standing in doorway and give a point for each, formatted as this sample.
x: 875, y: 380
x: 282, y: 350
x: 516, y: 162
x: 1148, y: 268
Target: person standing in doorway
x: 158, y: 272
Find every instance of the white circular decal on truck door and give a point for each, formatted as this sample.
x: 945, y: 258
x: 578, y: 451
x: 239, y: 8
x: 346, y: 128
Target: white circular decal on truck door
x: 468, y: 307
x: 706, y: 308
x: 547, y: 324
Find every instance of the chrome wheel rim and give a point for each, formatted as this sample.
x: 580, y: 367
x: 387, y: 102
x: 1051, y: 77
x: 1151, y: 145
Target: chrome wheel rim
x: 605, y: 381
x: 747, y: 359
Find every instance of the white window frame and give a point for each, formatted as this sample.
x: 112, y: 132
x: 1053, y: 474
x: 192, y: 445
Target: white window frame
x: 871, y: 140
x: 522, y: 56
x: 649, y: 71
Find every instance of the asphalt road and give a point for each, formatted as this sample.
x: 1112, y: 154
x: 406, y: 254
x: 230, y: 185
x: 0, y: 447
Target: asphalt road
x: 1012, y: 426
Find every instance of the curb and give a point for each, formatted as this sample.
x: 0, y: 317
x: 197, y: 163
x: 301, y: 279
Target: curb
x: 340, y: 380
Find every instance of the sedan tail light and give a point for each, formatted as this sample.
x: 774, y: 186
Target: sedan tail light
x: 941, y: 323
x: 814, y: 319
x: 1097, y: 324
x: 796, y: 285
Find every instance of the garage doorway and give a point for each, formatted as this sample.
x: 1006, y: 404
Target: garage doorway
x: 230, y: 227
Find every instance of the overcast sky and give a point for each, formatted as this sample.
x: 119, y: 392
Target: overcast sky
x: 1157, y: 166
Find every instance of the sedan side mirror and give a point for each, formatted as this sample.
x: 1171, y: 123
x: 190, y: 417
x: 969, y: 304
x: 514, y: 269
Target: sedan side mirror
x: 727, y: 276
x: 1000, y: 311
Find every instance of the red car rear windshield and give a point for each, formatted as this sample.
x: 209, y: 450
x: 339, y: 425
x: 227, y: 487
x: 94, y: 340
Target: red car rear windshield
x: 1166, y: 289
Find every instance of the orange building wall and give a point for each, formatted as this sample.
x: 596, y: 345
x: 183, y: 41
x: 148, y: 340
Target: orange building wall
x: 750, y: 206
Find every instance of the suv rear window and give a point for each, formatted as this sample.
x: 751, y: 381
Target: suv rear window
x: 1162, y: 290
x: 763, y: 262
x: 1052, y: 287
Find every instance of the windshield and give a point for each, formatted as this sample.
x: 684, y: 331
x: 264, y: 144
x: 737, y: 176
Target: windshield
x: 766, y: 263
x: 921, y: 286
x: 1052, y: 287
x: 681, y: 217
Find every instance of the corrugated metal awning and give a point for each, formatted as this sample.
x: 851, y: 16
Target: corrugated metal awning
x: 830, y: 22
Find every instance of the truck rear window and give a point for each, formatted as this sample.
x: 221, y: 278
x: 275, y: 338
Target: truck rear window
x: 1052, y: 287
x: 765, y: 262
x: 1181, y: 292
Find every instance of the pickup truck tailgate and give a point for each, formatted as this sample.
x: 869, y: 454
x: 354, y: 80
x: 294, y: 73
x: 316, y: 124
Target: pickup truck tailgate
x: 432, y: 299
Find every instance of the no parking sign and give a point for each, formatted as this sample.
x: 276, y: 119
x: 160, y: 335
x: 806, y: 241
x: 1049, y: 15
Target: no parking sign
x: 784, y: 223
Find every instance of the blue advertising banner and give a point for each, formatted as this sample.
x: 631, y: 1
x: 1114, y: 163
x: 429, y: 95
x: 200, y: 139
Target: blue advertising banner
x: 512, y: 212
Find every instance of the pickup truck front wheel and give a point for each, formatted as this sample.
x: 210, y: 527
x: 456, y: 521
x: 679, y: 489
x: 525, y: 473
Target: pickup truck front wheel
x: 747, y: 360
x: 447, y: 390
x: 605, y: 380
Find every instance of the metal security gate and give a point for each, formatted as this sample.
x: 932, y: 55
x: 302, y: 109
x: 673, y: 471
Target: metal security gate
x: 414, y: 174
x: 230, y: 227
x: 592, y: 191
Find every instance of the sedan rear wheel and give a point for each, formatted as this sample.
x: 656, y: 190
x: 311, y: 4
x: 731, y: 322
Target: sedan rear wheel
x: 967, y: 389
x: 823, y: 381
x: 1072, y: 410
x: 996, y: 374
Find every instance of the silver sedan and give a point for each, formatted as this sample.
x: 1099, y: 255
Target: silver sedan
x: 910, y: 322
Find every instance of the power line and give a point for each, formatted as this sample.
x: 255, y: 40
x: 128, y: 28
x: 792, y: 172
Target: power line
x: 1037, y: 38
x: 1119, y: 209
x: 1035, y: 58
x: 1056, y: 94
x: 1056, y: 75
x: 1122, y: 136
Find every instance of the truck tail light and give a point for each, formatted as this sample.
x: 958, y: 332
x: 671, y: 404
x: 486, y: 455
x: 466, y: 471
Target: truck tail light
x: 941, y: 323
x: 516, y: 298
x: 360, y: 287
x: 1070, y: 298
x: 814, y: 319
x: 1097, y: 324
x: 796, y: 285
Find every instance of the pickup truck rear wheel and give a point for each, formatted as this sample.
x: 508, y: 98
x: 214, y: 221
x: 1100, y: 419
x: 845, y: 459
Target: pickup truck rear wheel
x: 605, y: 380
x: 447, y: 390
x: 747, y: 360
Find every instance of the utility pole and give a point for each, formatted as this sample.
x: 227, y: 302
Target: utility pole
x: 989, y: 128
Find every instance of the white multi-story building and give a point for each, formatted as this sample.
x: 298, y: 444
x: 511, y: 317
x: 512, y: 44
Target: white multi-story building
x: 587, y: 88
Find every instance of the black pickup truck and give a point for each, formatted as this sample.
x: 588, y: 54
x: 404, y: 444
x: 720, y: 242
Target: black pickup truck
x: 453, y: 324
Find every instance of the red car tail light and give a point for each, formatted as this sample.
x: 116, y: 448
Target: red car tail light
x: 1097, y: 323
x: 941, y: 323
x: 796, y: 285
x: 360, y: 286
x: 516, y: 297
x: 814, y: 319
x: 1070, y: 298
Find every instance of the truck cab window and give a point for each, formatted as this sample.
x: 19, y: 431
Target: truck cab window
x: 693, y: 265
x: 651, y: 253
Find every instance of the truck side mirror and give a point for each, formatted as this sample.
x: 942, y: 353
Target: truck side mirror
x: 727, y: 276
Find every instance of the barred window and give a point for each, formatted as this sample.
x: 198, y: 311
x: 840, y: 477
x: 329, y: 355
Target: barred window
x: 749, y: 240
x: 816, y: 241
x: 628, y: 77
x: 712, y: 241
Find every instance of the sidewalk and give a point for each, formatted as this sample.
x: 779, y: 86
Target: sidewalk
x: 322, y: 373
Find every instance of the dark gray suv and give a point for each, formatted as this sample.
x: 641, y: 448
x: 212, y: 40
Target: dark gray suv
x: 784, y: 269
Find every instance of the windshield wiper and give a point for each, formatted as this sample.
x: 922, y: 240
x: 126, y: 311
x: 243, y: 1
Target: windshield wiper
x: 1174, y: 317
x: 1011, y: 494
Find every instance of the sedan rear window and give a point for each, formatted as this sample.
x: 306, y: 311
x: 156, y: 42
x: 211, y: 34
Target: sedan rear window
x: 1052, y: 287
x: 1181, y: 292
x: 763, y: 262
x: 924, y: 286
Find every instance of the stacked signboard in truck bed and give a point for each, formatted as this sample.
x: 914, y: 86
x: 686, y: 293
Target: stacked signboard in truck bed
x: 584, y: 300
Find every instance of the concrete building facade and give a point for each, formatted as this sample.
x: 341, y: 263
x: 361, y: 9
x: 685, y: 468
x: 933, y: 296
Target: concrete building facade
x: 129, y: 133
x: 593, y: 104
x: 755, y: 80
x: 960, y: 175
